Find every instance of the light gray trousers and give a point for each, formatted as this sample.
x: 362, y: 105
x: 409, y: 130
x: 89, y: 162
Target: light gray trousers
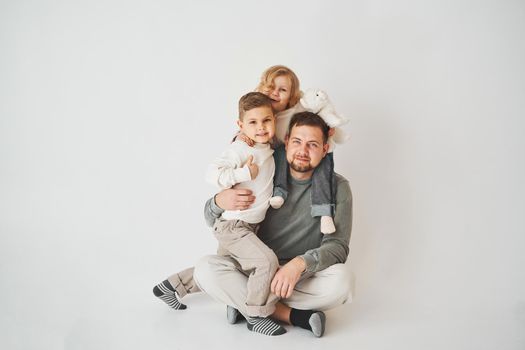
x: 220, y: 277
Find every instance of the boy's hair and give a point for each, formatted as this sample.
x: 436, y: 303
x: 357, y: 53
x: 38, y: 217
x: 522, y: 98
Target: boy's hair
x: 253, y: 100
x: 309, y: 119
x: 273, y: 72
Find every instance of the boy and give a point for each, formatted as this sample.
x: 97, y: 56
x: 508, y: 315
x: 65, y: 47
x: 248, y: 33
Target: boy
x: 242, y: 166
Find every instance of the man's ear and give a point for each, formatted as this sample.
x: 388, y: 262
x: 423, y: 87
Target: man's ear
x: 286, y: 138
x: 326, y: 147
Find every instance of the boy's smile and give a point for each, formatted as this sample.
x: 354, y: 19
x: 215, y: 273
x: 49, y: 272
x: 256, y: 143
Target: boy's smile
x: 258, y: 124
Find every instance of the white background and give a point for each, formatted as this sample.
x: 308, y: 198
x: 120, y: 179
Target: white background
x: 111, y: 110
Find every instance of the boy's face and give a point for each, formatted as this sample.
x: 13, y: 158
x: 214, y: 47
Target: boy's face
x: 258, y: 124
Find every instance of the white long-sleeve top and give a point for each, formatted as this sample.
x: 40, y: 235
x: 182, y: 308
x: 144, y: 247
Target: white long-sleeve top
x: 230, y: 170
x: 282, y: 121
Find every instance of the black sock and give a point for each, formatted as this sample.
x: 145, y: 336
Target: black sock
x: 301, y: 318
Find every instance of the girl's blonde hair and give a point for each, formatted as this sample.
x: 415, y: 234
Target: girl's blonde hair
x: 273, y: 72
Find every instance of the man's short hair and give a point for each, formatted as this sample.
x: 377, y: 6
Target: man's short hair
x: 309, y: 119
x: 253, y: 100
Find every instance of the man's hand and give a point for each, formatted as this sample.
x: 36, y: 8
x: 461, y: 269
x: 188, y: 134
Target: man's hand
x: 234, y: 199
x: 331, y: 132
x: 286, y: 277
x: 254, y: 169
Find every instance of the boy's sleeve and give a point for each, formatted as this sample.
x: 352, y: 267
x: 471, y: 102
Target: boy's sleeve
x: 229, y: 169
x: 334, y: 248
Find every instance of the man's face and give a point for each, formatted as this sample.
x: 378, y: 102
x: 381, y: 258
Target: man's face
x: 305, y: 148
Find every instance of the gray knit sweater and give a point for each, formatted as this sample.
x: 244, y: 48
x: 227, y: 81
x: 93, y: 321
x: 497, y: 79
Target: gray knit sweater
x: 291, y: 231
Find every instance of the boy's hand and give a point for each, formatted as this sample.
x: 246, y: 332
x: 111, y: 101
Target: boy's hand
x: 245, y: 139
x: 254, y: 169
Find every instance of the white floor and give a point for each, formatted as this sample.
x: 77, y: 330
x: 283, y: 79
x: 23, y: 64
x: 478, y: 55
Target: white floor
x: 127, y: 321
x: 111, y: 110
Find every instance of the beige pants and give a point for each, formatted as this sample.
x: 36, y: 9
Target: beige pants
x: 237, y: 240
x: 183, y: 282
x: 220, y: 278
x: 258, y: 263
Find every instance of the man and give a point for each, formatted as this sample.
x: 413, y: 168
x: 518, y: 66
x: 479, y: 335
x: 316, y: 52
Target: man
x: 312, y: 275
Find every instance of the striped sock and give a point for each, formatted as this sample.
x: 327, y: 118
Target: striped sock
x: 264, y: 325
x: 165, y: 292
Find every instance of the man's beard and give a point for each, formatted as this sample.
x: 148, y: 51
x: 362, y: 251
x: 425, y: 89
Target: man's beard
x: 301, y: 168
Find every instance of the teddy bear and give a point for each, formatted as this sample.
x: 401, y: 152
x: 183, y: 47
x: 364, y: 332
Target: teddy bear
x: 317, y: 101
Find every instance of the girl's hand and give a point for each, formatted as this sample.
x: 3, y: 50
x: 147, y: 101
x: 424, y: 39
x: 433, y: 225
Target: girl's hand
x: 246, y: 139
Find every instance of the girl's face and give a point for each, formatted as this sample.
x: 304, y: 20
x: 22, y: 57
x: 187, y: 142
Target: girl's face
x: 280, y: 93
